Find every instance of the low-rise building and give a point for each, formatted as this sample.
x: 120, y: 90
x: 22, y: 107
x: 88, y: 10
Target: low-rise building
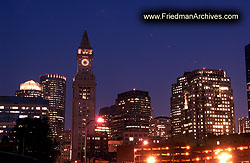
x: 243, y: 125
x: 228, y: 148
x: 64, y: 139
x: 160, y: 128
x: 12, y: 108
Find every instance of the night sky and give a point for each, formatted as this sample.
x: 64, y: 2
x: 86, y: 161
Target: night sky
x: 38, y: 37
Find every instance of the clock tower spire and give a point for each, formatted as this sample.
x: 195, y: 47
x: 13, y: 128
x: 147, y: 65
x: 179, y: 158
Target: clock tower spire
x: 84, y: 98
x: 85, y: 41
x: 84, y: 56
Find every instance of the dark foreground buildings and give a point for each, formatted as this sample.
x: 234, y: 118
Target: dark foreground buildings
x: 64, y: 137
x: 13, y: 108
x: 202, y: 103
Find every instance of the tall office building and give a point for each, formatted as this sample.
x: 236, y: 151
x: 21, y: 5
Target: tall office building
x: 54, y: 90
x: 177, y: 104
x: 202, y: 103
x: 130, y: 121
x: 247, y: 59
x: 243, y: 125
x: 29, y: 89
x: 84, y: 97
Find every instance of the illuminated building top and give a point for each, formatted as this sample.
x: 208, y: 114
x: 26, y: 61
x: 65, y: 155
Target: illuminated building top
x: 55, y: 76
x: 85, y: 48
x: 30, y: 85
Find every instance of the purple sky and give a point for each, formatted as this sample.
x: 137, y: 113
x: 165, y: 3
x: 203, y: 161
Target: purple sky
x: 38, y: 37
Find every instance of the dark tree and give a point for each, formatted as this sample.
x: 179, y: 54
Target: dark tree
x: 32, y: 138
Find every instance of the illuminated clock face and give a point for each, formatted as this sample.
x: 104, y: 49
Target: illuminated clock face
x: 85, y: 62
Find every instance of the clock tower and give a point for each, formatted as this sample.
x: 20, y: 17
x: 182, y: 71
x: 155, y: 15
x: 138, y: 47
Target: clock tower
x: 84, y: 97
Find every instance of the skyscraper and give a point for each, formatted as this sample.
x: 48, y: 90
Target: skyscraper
x: 54, y: 90
x: 202, y: 103
x: 84, y: 97
x: 29, y: 89
x: 130, y: 121
x: 177, y: 104
x: 247, y: 59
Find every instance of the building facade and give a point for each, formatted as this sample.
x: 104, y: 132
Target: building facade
x: 243, y: 125
x: 177, y: 104
x: 224, y: 149
x: 12, y: 108
x: 64, y: 137
x: 29, y: 89
x: 131, y: 117
x: 247, y: 60
x: 106, y: 113
x: 97, y: 146
x: 202, y: 103
x: 84, y: 98
x: 160, y: 127
x: 54, y: 90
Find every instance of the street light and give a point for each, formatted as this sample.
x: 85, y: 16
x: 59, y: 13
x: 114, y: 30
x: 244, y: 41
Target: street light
x: 224, y: 157
x: 99, y: 120
x: 145, y: 142
x: 151, y: 159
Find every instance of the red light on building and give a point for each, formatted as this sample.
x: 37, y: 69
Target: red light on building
x: 204, y: 68
x: 145, y: 142
x: 100, y: 120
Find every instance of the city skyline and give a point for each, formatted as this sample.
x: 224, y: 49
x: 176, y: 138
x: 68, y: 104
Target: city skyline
x: 145, y: 57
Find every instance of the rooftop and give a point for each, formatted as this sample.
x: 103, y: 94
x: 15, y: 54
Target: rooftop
x: 22, y: 100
